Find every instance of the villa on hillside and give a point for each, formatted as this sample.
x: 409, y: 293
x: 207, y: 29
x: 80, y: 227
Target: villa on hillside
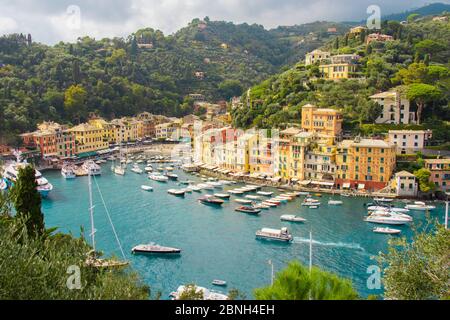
x: 396, y: 108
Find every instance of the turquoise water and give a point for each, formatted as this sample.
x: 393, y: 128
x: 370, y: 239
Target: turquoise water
x: 216, y: 243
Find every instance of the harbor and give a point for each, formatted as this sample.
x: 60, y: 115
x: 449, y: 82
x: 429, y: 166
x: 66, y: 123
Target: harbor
x: 217, y: 242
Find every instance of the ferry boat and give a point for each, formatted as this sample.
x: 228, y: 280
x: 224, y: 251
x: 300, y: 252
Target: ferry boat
x: 91, y: 167
x: 68, y: 171
x: 274, y: 234
x: 211, y: 200
x: 292, y: 218
x: 386, y: 230
x: 154, y: 249
x: 248, y: 210
x: 420, y: 206
x: 12, y: 171
x: 159, y: 178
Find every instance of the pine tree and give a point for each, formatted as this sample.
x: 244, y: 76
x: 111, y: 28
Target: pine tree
x: 27, y: 201
x: 134, y: 47
x: 336, y: 43
x: 362, y: 36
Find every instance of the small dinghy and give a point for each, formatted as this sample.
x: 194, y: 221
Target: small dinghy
x: 222, y: 195
x: 175, y: 192
x: 252, y: 197
x: 314, y: 207
x: 292, y: 218
x: 146, y: 188
x: 243, y: 201
x: 270, y: 204
x: 387, y: 230
x: 219, y: 283
x: 265, y: 193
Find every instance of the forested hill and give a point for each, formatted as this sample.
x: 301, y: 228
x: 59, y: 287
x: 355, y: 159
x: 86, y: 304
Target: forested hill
x: 147, y: 71
x: 418, y: 57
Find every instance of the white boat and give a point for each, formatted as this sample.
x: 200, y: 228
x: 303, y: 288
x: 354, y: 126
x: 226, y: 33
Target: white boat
x: 154, y: 249
x: 159, y: 178
x: 176, y: 192
x: 196, y: 188
x: 11, y: 173
x: 420, y: 206
x: 222, y: 195
x: 390, y: 213
x: 335, y: 202
x: 207, y: 294
x: 220, y: 283
x: 172, y: 176
x: 381, y: 208
x: 386, y: 230
x: 270, y: 204
x: 274, y: 234
x: 252, y: 197
x: 148, y: 169
x: 68, y: 171
x: 137, y: 170
x: 383, y: 199
x: 264, y: 193
x: 235, y: 191
x: 243, y: 201
x: 119, y: 170
x: 311, y: 200
x: 91, y: 167
x: 387, y: 219
x: 311, y: 204
x: 292, y: 218
x: 314, y: 207
x: 261, y: 206
x: 146, y: 188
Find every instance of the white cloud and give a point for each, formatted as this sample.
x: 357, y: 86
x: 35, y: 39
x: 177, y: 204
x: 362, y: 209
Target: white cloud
x: 47, y: 20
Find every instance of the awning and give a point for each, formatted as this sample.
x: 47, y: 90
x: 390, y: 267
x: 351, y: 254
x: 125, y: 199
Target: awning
x: 304, y: 182
x: 254, y: 175
x: 361, y: 186
x: 346, y: 185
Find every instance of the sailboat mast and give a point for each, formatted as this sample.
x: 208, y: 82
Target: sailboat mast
x: 91, y: 210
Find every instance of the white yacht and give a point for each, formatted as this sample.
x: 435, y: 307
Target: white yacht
x: 291, y: 218
x: 68, y: 171
x: 12, y: 171
x: 274, y: 234
x: 387, y: 230
x: 265, y: 193
x: 146, y: 188
x: 387, y: 218
x: 91, y: 167
x: 381, y: 208
x: 158, y: 177
x: 420, y: 206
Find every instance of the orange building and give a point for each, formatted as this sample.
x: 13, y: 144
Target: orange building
x: 322, y: 121
x: 440, y: 173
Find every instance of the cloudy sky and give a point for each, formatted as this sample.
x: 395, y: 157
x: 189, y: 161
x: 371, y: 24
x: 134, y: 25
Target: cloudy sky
x: 51, y: 21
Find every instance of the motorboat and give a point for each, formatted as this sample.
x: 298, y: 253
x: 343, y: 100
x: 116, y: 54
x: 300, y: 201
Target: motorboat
x: 219, y: 283
x: 206, y: 186
x: 196, y: 188
x: 261, y: 206
x: 281, y: 199
x: 243, y: 201
x: 91, y: 167
x: 265, y: 193
x: 311, y: 204
x: 146, y: 188
x: 176, y: 192
x: 274, y: 234
x: 294, y: 194
x: 389, y: 213
x: 387, y: 219
x: 420, y: 206
x: 251, y: 197
x: 119, y: 170
x: 222, y: 195
x: 270, y: 204
x: 248, y: 210
x: 236, y: 191
x: 335, y: 203
x: 211, y: 200
x: 313, y: 207
x: 148, y: 169
x: 159, y: 178
x: 383, y: 199
x: 11, y: 173
x: 154, y: 249
x: 292, y: 218
x: 68, y: 171
x: 391, y: 209
x: 137, y: 170
x: 387, y: 230
x: 172, y: 176
x: 274, y: 201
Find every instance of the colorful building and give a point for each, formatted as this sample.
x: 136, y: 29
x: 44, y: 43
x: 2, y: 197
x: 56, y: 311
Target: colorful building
x: 322, y: 121
x: 338, y: 71
x: 364, y: 164
x: 405, y: 184
x: 316, y: 56
x: 396, y: 108
x: 440, y: 173
x: 409, y: 141
x: 89, y: 139
x: 378, y: 37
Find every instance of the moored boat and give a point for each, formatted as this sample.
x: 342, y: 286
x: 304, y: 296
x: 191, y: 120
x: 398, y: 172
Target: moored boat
x: 159, y: 178
x: 243, y: 201
x: 265, y: 193
x: 420, y: 206
x: 248, y: 210
x: 222, y: 195
x: 154, y: 249
x: 146, y: 188
x: 211, y: 200
x: 220, y: 283
x: 387, y: 230
x: 292, y: 218
x: 68, y: 171
x: 335, y: 202
x: 91, y: 167
x: 175, y: 192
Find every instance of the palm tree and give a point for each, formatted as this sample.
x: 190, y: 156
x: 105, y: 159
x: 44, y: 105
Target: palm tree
x: 296, y: 282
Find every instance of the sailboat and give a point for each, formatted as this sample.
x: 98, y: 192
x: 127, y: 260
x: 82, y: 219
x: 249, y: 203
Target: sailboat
x: 118, y: 169
x: 92, y: 259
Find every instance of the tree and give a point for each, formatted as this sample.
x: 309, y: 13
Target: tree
x: 412, y: 17
x: 27, y: 201
x: 74, y: 100
x: 429, y: 46
x: 191, y: 292
x: 134, y: 47
x: 423, y: 176
x: 418, y: 269
x: 422, y: 93
x: 230, y: 88
x: 296, y: 282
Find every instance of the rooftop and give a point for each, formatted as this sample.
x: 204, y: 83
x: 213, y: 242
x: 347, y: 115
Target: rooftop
x: 404, y: 174
x: 373, y: 143
x: 437, y: 161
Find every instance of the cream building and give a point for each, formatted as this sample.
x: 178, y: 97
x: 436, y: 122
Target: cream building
x: 396, y: 108
x: 409, y: 141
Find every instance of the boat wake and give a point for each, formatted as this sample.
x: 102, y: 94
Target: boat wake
x: 354, y: 246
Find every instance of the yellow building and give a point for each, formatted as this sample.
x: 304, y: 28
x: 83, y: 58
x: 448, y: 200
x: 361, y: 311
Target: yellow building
x: 89, y: 138
x: 108, y: 128
x: 322, y: 121
x: 126, y: 130
x: 243, y: 152
x: 316, y: 56
x: 261, y: 156
x: 364, y: 164
x: 337, y: 71
x: 285, y: 156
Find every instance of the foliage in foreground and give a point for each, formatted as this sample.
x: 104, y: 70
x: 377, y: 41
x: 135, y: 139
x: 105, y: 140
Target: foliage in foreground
x: 296, y: 282
x: 418, y: 270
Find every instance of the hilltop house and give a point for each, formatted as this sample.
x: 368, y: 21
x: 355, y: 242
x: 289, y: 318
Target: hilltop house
x: 396, y: 108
